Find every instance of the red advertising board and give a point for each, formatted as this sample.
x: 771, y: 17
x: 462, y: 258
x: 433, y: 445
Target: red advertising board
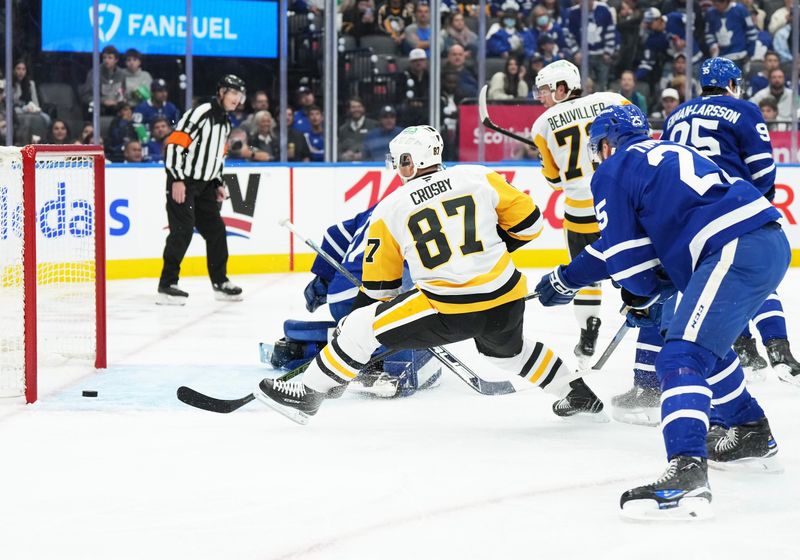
x: 517, y: 118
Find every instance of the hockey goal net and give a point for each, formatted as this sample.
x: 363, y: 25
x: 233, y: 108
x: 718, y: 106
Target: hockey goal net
x: 52, y: 263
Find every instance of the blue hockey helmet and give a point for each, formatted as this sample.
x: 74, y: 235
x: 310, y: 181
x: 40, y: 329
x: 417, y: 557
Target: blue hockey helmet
x: 615, y: 123
x: 718, y: 72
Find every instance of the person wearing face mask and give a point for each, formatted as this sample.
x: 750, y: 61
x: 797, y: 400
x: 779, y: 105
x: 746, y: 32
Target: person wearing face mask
x: 508, y: 37
x: 602, y: 33
x: 543, y: 24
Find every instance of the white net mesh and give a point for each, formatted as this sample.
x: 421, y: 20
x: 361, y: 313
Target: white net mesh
x: 65, y: 265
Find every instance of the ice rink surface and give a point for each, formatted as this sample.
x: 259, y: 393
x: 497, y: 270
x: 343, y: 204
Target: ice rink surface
x: 444, y: 474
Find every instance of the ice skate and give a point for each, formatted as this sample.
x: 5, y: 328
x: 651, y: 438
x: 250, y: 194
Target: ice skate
x: 682, y: 493
x: 748, y: 447
x: 291, y: 398
x: 580, y: 402
x: 584, y: 350
x: 750, y: 360
x: 227, y: 291
x: 171, y: 295
x: 376, y: 383
x: 784, y: 364
x: 640, y: 405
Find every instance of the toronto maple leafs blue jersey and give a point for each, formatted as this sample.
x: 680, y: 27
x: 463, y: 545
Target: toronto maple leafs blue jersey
x: 345, y: 242
x: 662, y: 205
x: 732, y: 31
x: 732, y: 133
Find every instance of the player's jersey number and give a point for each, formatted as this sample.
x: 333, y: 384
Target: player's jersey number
x: 685, y: 166
x: 573, y: 136
x: 691, y: 133
x: 430, y: 240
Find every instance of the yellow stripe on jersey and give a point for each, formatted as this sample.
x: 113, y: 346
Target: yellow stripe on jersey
x: 550, y: 169
x: 581, y: 228
x: 411, y: 308
x: 384, y: 264
x: 497, y: 270
x: 548, y: 357
x: 514, y: 208
x: 588, y: 203
x: 515, y: 292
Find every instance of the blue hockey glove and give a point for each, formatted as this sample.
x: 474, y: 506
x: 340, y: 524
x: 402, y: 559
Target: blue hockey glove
x: 316, y: 293
x: 554, y: 290
x: 644, y: 318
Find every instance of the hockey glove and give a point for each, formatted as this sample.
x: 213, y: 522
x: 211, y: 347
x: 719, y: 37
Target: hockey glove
x: 644, y: 318
x: 316, y: 293
x: 554, y: 290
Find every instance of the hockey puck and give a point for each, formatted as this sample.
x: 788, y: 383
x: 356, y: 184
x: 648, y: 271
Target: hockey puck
x: 89, y: 393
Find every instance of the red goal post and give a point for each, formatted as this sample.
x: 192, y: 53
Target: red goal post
x: 52, y: 260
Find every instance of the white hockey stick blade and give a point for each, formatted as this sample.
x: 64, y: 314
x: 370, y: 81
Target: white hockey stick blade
x: 483, y: 110
x: 688, y: 509
x: 784, y: 373
x: 765, y: 465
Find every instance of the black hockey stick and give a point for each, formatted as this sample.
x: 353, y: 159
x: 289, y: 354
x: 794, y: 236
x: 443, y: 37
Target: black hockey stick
x: 452, y: 363
x: 483, y: 111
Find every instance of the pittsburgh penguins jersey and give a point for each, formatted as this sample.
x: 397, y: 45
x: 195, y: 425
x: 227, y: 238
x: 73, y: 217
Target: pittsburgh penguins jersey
x: 451, y: 227
x: 562, y: 136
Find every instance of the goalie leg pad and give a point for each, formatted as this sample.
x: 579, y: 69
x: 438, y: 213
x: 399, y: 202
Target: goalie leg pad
x: 289, y: 354
x: 308, y: 331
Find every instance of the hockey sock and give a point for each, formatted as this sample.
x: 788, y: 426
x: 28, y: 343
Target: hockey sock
x: 539, y: 365
x: 770, y: 320
x: 733, y: 404
x: 587, y: 303
x: 648, y: 345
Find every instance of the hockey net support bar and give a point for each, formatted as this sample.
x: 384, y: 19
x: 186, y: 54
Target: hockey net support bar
x: 30, y: 261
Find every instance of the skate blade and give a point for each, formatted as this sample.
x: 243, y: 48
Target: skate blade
x: 291, y: 413
x: 227, y: 297
x: 784, y: 373
x: 688, y: 509
x: 753, y: 376
x: 165, y: 299
x: 639, y: 416
x: 766, y: 465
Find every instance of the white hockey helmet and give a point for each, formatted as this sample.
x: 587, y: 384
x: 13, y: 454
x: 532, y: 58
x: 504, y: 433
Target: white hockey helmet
x: 559, y: 71
x: 423, y: 144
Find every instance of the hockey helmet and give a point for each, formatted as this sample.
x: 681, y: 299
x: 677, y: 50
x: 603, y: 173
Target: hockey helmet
x: 616, y: 123
x: 718, y: 72
x: 422, y: 144
x: 559, y: 71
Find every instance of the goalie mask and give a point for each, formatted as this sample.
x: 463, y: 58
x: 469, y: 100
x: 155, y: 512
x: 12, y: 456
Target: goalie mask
x: 420, y: 146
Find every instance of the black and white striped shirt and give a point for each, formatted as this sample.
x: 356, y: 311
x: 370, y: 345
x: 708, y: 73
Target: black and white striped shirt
x: 196, y: 148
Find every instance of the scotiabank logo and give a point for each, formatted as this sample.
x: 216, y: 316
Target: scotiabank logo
x: 243, y: 204
x: 58, y: 217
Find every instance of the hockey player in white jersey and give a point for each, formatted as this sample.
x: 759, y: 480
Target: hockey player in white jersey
x: 454, y: 228
x: 561, y: 134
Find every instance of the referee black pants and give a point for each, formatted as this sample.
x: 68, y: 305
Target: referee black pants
x: 200, y: 210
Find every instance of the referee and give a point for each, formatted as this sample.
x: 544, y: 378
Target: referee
x: 195, y: 153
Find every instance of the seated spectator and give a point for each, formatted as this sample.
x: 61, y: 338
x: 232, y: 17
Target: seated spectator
x: 59, y: 133
x: 543, y: 24
x: 548, y: 49
x: 137, y: 81
x: 670, y: 99
x: 238, y: 146
x: 359, y: 18
x: 87, y: 134
x: 782, y: 43
x: 120, y: 132
x: 258, y: 102
x: 305, y: 100
x: 457, y: 33
x: 157, y: 106
x: 31, y: 122
x: 535, y: 65
x: 353, y: 131
x: 769, y: 110
x: 413, y: 88
x: 393, y: 18
x: 154, y: 148
x: 315, y: 137
x: 509, y: 37
x: 132, y: 152
x: 779, y: 92
x: 418, y: 34
x: 112, y: 83
x: 263, y: 142
x: 451, y: 100
x: 676, y: 78
x: 761, y: 80
x: 296, y: 145
x: 556, y: 11
x: 510, y: 83
x: 376, y: 143
x: 627, y: 88
x: 780, y: 17
x: 730, y: 32
x: 602, y: 34
x: 457, y: 62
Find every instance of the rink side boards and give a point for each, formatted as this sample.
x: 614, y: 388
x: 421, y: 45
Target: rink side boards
x: 314, y: 196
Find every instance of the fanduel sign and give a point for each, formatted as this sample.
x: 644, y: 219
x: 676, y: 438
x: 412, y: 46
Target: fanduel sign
x: 228, y: 28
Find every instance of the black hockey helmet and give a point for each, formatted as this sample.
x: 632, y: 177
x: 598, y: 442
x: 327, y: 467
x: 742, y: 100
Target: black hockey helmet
x: 232, y: 81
